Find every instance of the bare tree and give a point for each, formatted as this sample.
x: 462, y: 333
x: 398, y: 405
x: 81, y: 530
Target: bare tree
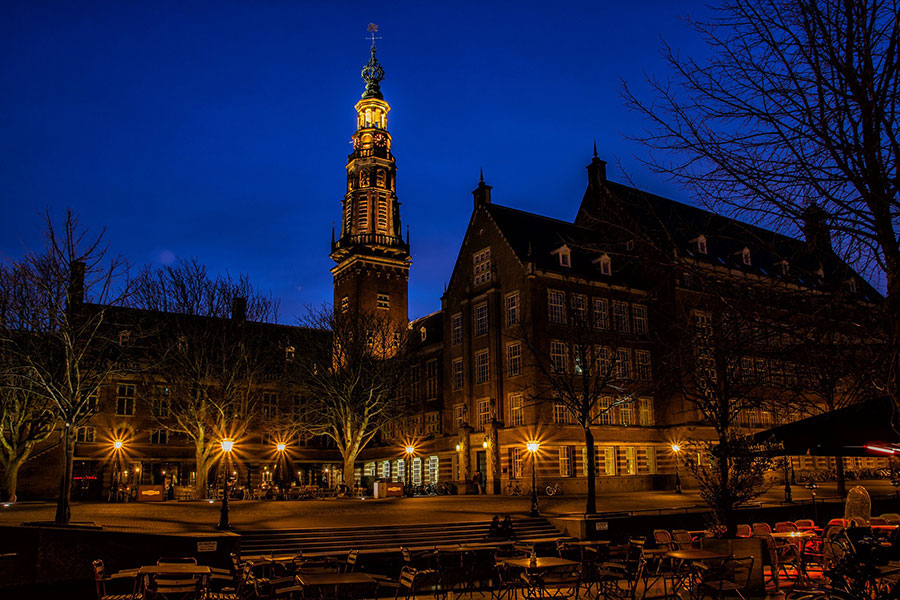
x: 208, y: 351
x: 60, y: 332
x: 795, y: 110
x: 588, y: 367
x: 355, y: 368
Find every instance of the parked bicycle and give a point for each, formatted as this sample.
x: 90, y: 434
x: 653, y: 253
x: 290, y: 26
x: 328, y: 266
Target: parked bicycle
x: 553, y: 488
x: 513, y: 488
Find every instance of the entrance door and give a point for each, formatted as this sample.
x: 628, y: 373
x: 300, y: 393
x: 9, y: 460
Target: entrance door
x: 481, y: 463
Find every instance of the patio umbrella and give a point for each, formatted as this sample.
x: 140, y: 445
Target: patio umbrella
x: 864, y: 429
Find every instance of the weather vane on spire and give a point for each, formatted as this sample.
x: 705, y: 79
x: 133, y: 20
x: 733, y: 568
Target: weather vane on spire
x: 373, y: 73
x: 373, y: 29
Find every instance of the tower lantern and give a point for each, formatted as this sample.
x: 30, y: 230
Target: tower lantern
x: 372, y: 259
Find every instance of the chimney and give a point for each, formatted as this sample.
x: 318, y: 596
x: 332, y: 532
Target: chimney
x: 75, y: 291
x: 816, y: 229
x: 596, y: 170
x: 239, y: 309
x: 482, y: 193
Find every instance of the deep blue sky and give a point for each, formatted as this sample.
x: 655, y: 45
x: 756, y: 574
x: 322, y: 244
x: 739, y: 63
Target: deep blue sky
x: 220, y: 130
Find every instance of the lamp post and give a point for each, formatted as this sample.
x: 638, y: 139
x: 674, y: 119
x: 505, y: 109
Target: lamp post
x: 281, y: 447
x: 788, y: 496
x: 227, y: 447
x: 812, y: 490
x: 675, y: 450
x: 117, y: 471
x: 533, y: 448
x: 407, y: 468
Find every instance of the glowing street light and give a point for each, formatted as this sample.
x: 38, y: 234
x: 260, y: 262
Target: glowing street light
x: 533, y: 447
x: 281, y: 446
x: 675, y: 450
x: 118, y: 444
x: 227, y: 447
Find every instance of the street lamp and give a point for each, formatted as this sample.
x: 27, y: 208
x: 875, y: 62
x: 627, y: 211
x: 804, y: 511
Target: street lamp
x: 675, y: 450
x: 407, y: 466
x: 227, y: 447
x: 811, y: 486
x: 117, y: 471
x: 533, y: 448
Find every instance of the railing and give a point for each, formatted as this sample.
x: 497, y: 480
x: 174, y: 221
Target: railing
x: 378, y: 239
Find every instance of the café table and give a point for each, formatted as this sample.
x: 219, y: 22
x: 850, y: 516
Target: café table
x: 201, y: 572
x: 691, y: 558
x: 799, y: 540
x: 541, y: 563
x: 345, y: 585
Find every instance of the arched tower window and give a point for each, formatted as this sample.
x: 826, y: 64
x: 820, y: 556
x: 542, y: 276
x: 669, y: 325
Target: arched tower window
x: 382, y: 178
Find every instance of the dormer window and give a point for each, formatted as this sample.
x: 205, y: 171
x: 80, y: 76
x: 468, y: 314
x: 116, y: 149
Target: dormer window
x: 565, y: 256
x: 289, y: 354
x: 423, y: 332
x: 851, y: 285
x: 124, y: 337
x: 605, y: 264
x: 785, y: 267
x: 821, y: 273
x: 745, y: 256
x: 701, y: 244
x: 629, y: 245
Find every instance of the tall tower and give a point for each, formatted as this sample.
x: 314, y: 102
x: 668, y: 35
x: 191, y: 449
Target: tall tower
x: 372, y: 270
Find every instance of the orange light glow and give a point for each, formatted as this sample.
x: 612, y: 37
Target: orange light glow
x: 227, y: 445
x: 533, y: 446
x: 281, y: 446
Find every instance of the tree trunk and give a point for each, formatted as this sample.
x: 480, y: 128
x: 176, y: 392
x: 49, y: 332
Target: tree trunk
x: 201, y: 481
x: 350, y: 470
x: 11, y: 479
x: 841, y: 478
x: 590, y: 506
x: 729, y: 519
x: 63, y: 503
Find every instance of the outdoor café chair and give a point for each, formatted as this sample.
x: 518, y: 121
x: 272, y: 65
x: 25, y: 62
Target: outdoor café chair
x: 744, y: 531
x: 101, y: 579
x: 410, y: 582
x: 682, y: 539
x: 559, y: 582
x: 350, y: 563
x: 416, y: 560
x: 663, y: 539
x: 761, y: 529
x: 786, y: 527
x: 732, y: 575
x: 878, y: 521
x: 804, y: 524
x: 505, y: 582
x: 565, y: 550
x: 173, y: 587
x: 891, y: 518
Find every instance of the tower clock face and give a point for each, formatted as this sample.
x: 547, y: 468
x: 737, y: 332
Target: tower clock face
x: 380, y: 139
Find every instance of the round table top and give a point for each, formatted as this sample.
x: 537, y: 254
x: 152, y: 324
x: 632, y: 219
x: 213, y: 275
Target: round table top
x: 589, y: 543
x: 696, y: 554
x: 794, y: 535
x: 542, y: 562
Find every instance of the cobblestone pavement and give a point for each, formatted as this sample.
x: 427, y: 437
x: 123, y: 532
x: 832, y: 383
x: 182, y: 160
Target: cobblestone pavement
x: 201, y: 516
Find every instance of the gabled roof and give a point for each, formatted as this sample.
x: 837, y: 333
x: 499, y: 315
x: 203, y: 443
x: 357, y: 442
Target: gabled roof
x: 535, y: 238
x: 681, y: 224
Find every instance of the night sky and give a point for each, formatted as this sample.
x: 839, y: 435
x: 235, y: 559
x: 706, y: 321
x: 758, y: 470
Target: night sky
x: 220, y: 130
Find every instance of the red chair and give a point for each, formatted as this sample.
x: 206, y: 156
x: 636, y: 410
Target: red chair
x: 785, y: 527
x: 762, y: 529
x: 805, y: 524
x: 744, y: 531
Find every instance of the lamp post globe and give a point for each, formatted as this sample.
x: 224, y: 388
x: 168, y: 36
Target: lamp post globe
x: 533, y: 447
x: 227, y: 446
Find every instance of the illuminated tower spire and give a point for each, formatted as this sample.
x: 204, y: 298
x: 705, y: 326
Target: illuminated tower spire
x: 372, y: 259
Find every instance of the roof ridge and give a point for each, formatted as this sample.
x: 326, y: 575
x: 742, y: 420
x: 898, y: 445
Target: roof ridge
x: 531, y: 214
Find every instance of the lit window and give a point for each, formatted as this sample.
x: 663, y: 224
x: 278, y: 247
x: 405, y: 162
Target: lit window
x: 481, y: 319
x: 601, y: 313
x: 85, y: 434
x: 579, y: 309
x: 561, y: 414
x: 558, y: 356
x: 512, y: 309
x: 565, y: 258
x: 623, y: 363
x: 383, y: 301
x: 645, y: 412
x: 456, y: 329
x: 603, y: 411
x: 459, y: 415
x: 516, y: 462
x: 482, y: 367
x: 620, y: 317
x: 514, y: 358
x: 745, y: 256
x: 626, y: 414
x: 431, y: 379
x: 609, y: 460
x: 516, y: 410
x: 639, y: 316
x: 642, y: 365
x: 125, y: 400
x: 565, y: 461
x: 630, y: 466
x: 269, y: 406
x: 484, y: 413
x: 556, y: 306
x: 605, y: 265
x: 457, y: 372
x: 482, y: 266
x: 345, y: 304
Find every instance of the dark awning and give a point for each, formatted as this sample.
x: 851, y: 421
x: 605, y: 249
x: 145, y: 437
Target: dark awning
x: 844, y: 432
